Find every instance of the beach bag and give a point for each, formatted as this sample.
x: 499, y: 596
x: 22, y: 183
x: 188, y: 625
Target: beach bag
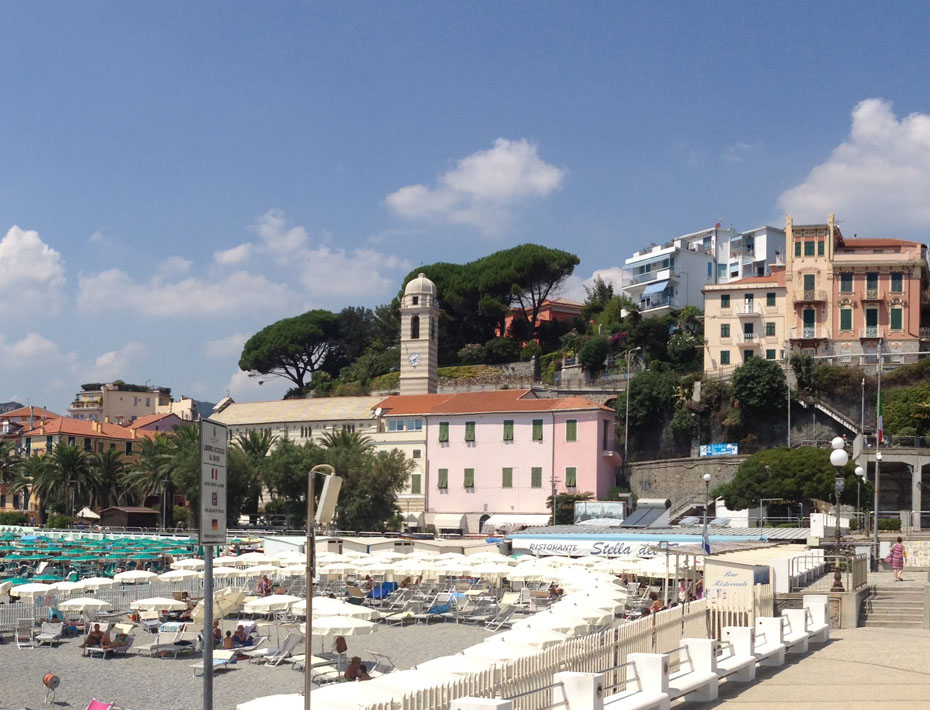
x: 888, y: 558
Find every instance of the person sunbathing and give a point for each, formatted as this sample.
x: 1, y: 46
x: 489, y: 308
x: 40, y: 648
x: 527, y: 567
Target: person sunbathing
x: 241, y: 638
x: 228, y: 643
x: 356, y: 670
x: 94, y: 638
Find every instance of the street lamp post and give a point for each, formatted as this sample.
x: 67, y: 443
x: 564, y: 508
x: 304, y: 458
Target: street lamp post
x: 860, y: 477
x: 839, y: 458
x: 328, y: 470
x: 626, y: 417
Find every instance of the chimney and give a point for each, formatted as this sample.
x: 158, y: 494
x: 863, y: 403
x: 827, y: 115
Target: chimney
x: 133, y: 432
x: 106, y: 419
x: 97, y: 427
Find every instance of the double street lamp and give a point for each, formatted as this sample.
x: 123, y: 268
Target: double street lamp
x: 326, y: 469
x: 839, y: 458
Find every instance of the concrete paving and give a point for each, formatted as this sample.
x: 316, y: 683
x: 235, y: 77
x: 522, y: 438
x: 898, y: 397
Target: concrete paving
x: 858, y: 668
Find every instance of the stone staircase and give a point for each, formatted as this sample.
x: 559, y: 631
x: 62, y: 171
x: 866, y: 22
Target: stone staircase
x: 891, y: 606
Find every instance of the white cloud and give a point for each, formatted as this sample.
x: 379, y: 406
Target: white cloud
x: 30, y: 270
x: 574, y: 286
x: 482, y: 188
x: 738, y: 152
x: 233, y: 255
x: 230, y: 346
x: 115, y: 363
x: 877, y: 180
x: 33, y: 351
x: 238, y: 292
x: 281, y: 241
x: 243, y: 388
x: 97, y: 238
x: 175, y: 265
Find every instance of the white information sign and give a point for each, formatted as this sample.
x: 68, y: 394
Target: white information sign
x: 213, y: 440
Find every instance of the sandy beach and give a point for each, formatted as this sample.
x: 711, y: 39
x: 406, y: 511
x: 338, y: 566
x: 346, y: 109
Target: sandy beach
x: 143, y: 683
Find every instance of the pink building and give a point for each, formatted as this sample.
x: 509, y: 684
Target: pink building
x: 502, y: 453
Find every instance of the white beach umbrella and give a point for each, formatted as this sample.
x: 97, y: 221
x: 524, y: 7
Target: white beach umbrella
x: 413, y: 680
x: 291, y: 701
x: 349, y: 696
x: 327, y: 557
x: 460, y: 664
x: 259, y: 570
x: 158, y: 604
x: 388, y: 554
x: 336, y: 569
x: 134, y: 576
x: 341, y: 626
x: 179, y: 575
x: 594, y: 616
x: 65, y: 587
x: 225, y: 561
x: 491, y: 569
x: 82, y: 603
x: 189, y: 563
x: 324, y: 606
x: 543, y: 638
x: 558, y: 622
x: 254, y: 558
x: 580, y: 599
x: 225, y: 602
x: 296, y: 570
x: 266, y: 605
x: 501, y: 650
x: 31, y: 590
x: 96, y: 582
x: 226, y: 572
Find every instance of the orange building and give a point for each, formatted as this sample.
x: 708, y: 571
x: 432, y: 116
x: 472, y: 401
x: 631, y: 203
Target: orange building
x: 558, y: 309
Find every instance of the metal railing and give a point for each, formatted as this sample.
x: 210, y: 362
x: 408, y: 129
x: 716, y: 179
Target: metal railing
x: 816, y: 572
x: 872, y: 331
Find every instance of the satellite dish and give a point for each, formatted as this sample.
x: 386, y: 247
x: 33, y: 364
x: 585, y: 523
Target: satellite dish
x: 378, y: 412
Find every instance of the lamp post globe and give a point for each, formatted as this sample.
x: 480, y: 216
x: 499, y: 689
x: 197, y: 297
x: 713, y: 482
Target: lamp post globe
x: 706, y: 478
x: 860, y: 472
x: 838, y: 442
x: 839, y: 458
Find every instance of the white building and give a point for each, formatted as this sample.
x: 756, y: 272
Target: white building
x: 664, y: 277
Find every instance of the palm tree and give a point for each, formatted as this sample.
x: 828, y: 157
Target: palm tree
x: 182, y: 465
x: 30, y: 471
x: 70, y: 476
x: 345, y: 439
x: 108, y: 468
x: 255, y: 444
x: 9, y: 459
x: 151, y: 475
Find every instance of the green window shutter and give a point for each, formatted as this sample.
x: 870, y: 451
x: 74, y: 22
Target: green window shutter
x: 820, y: 248
x: 808, y: 248
x: 846, y: 283
x: 443, y: 478
x: 508, y: 430
x: 724, y: 300
x: 769, y: 354
x: 770, y: 329
x: 469, y: 478
x: 506, y: 478
x: 571, y: 477
x: 536, y: 477
x: 469, y: 431
x: 897, y: 283
x: 443, y: 431
x: 724, y: 357
x: 571, y: 430
x: 846, y: 319
x: 770, y: 299
x: 415, y: 483
x: 724, y: 330
x: 810, y: 282
x: 537, y: 429
x: 797, y: 248
x: 896, y: 318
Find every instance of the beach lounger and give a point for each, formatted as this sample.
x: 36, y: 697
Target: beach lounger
x: 50, y: 633
x: 287, y: 648
x: 99, y: 705
x: 25, y: 634
x: 261, y: 652
x: 121, y: 643
x: 221, y: 659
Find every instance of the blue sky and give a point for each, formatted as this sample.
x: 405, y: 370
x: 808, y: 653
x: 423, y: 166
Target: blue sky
x: 175, y: 176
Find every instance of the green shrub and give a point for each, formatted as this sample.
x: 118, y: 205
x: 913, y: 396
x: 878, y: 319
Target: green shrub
x: 473, y: 354
x: 499, y: 350
x: 57, y: 521
x: 593, y: 354
x: 179, y: 515
x: 530, y: 350
x: 390, y: 381
x: 910, y: 374
x: 892, y: 524
x: 12, y: 518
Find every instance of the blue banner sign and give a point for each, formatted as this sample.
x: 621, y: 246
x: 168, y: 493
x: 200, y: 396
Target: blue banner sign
x: 719, y: 449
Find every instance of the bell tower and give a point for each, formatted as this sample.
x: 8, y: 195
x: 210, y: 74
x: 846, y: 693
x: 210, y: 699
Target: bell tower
x: 419, y: 331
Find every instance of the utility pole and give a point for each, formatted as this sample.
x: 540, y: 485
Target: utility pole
x: 626, y: 417
x: 878, y: 459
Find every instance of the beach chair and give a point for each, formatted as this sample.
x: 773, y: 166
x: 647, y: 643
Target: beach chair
x: 261, y: 650
x: 222, y: 659
x: 25, y: 634
x: 99, y: 705
x: 501, y: 619
x: 383, y: 664
x: 403, y: 616
x: 287, y: 648
x: 150, y: 621
x: 355, y: 595
x: 50, y: 633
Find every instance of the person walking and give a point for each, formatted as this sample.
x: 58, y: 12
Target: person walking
x: 898, y: 556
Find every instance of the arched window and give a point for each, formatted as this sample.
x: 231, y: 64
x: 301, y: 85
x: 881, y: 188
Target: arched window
x: 415, y: 328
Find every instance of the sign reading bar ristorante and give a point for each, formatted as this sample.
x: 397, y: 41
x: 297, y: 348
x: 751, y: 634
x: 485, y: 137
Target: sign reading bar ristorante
x: 578, y: 548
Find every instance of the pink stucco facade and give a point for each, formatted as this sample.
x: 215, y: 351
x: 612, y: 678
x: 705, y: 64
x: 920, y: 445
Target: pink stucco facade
x: 591, y: 453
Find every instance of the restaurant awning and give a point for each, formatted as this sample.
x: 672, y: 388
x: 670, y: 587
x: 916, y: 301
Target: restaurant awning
x: 657, y: 287
x: 447, y: 521
x: 513, y: 520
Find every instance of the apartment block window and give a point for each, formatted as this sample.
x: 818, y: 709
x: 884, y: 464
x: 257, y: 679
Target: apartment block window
x: 415, y: 479
x: 469, y: 431
x: 88, y: 444
x: 417, y: 453
x: 797, y: 248
x: 769, y: 329
x: 395, y: 425
x: 897, y: 282
x: 810, y: 282
x: 710, y: 270
x: 412, y: 425
x: 721, y: 271
x: 770, y: 300
x: 724, y: 300
x: 48, y: 442
x: 128, y: 448
x: 443, y: 479
x: 871, y: 282
x: 808, y: 248
x: 846, y: 283
x: 508, y: 430
x: 605, y: 435
x: 469, y: 479
x: 536, y: 477
x: 724, y: 357
x: 506, y: 478
x: 444, y: 432
x: 28, y: 444
x: 537, y: 429
x: 70, y: 441
x: 846, y: 319
x: 770, y: 354
x: 896, y: 318
x: 571, y: 430
x: 820, y: 248
x: 571, y: 477
x: 2, y: 501
x: 724, y: 330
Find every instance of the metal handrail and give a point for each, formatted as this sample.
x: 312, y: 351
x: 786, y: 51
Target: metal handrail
x: 538, y: 690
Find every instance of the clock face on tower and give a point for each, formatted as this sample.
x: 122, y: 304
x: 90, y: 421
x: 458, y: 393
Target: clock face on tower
x: 413, y: 359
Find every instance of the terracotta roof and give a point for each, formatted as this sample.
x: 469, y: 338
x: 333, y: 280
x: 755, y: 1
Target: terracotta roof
x: 25, y: 412
x: 82, y: 427
x: 867, y: 242
x: 130, y: 509
x: 149, y: 419
x: 776, y: 277
x: 482, y: 403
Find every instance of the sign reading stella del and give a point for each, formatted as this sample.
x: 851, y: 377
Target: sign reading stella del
x: 212, y: 483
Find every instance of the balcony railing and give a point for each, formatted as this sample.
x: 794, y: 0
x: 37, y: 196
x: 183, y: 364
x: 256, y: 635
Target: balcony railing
x: 872, y: 294
x: 872, y: 331
x: 814, y: 332
x: 748, y: 310
x: 751, y: 337
x: 654, y: 275
x: 810, y: 295
x: 924, y: 332
x: 87, y: 405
